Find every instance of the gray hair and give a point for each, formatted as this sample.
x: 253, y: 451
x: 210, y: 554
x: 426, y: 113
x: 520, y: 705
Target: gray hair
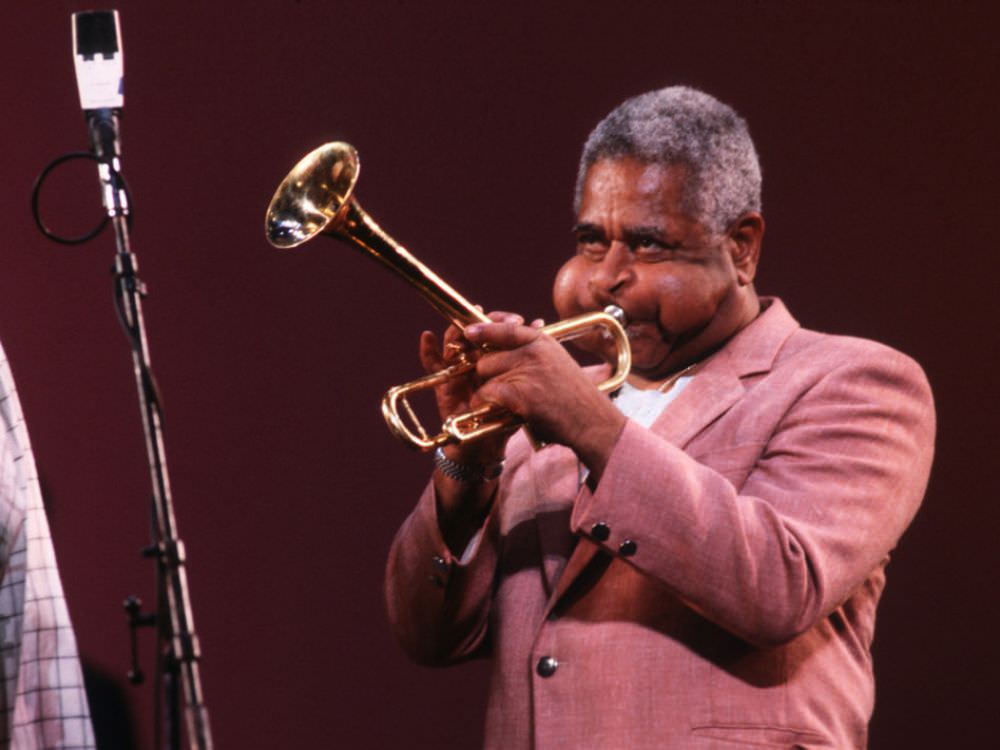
x: 682, y: 126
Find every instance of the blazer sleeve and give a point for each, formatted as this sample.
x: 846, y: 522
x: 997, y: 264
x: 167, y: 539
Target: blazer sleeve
x: 833, y: 486
x: 438, y: 605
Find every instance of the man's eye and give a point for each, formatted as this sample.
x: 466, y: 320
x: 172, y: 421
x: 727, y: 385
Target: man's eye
x: 652, y: 249
x: 590, y: 246
x: 648, y: 249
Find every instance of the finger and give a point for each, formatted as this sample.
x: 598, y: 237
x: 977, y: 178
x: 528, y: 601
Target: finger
x: 453, y: 350
x: 496, y: 362
x: 455, y: 345
x: 499, y: 316
x: 483, y: 397
x: 518, y: 360
x: 498, y: 393
x: 430, y: 357
x: 506, y: 335
x: 538, y: 323
x: 453, y: 334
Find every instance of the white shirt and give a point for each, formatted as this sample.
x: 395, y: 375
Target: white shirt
x: 645, y: 406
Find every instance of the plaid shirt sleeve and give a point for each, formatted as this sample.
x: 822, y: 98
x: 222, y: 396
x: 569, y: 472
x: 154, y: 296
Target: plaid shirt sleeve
x: 42, y: 698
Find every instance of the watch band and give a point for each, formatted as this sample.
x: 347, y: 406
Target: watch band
x: 467, y: 473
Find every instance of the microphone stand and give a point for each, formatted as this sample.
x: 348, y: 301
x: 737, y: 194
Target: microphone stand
x: 179, y: 649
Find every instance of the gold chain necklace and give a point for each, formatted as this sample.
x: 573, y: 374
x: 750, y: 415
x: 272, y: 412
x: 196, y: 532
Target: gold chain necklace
x: 670, y: 382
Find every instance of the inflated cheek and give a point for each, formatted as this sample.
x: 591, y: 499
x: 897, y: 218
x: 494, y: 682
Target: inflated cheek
x: 689, y: 301
x: 674, y: 302
x: 569, y: 291
x: 571, y: 296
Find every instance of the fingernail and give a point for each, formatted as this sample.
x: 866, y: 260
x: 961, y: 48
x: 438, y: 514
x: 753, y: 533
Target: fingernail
x: 474, y: 330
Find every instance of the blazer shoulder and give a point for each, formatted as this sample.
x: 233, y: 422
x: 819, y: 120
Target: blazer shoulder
x: 806, y: 344
x: 821, y: 357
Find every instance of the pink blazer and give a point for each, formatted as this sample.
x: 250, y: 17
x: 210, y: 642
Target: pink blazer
x: 718, y: 588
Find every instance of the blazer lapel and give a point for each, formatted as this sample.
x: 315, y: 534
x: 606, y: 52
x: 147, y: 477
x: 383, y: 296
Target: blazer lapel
x: 704, y: 399
x: 583, y: 554
x: 556, y: 480
x: 718, y: 385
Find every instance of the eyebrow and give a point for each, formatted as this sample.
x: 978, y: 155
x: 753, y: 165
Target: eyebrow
x: 647, y: 231
x: 653, y: 231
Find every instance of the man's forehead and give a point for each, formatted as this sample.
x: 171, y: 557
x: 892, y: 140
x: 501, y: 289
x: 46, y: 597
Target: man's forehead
x: 630, y: 181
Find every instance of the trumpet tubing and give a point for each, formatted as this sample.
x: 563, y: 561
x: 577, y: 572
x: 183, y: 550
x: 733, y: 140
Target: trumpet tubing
x: 316, y: 198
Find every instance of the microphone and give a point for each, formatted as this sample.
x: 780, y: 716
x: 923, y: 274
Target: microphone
x: 100, y: 69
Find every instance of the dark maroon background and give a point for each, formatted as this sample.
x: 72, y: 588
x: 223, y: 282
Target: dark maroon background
x: 876, y: 123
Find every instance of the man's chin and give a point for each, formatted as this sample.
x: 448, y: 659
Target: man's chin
x: 650, y: 364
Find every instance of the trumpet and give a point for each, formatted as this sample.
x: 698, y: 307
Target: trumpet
x: 316, y: 198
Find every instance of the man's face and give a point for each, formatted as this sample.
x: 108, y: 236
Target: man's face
x: 683, y: 288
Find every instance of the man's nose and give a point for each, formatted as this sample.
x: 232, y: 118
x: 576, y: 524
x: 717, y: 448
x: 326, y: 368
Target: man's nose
x: 613, y: 273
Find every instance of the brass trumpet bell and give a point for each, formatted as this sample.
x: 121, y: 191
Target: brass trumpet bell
x: 312, y: 194
x: 316, y: 198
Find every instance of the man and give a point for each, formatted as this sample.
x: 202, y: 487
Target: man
x: 42, y: 699
x: 695, y: 564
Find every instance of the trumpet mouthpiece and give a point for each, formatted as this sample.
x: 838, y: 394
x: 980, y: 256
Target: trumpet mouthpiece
x: 617, y: 313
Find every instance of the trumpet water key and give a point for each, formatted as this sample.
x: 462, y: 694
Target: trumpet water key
x: 316, y: 198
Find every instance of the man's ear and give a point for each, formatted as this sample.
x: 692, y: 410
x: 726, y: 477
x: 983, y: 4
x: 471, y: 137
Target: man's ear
x: 745, y: 236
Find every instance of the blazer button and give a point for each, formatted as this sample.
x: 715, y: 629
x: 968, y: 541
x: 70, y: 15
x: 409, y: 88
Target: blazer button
x: 547, y: 666
x: 600, y: 531
x: 440, y: 564
x: 627, y: 548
